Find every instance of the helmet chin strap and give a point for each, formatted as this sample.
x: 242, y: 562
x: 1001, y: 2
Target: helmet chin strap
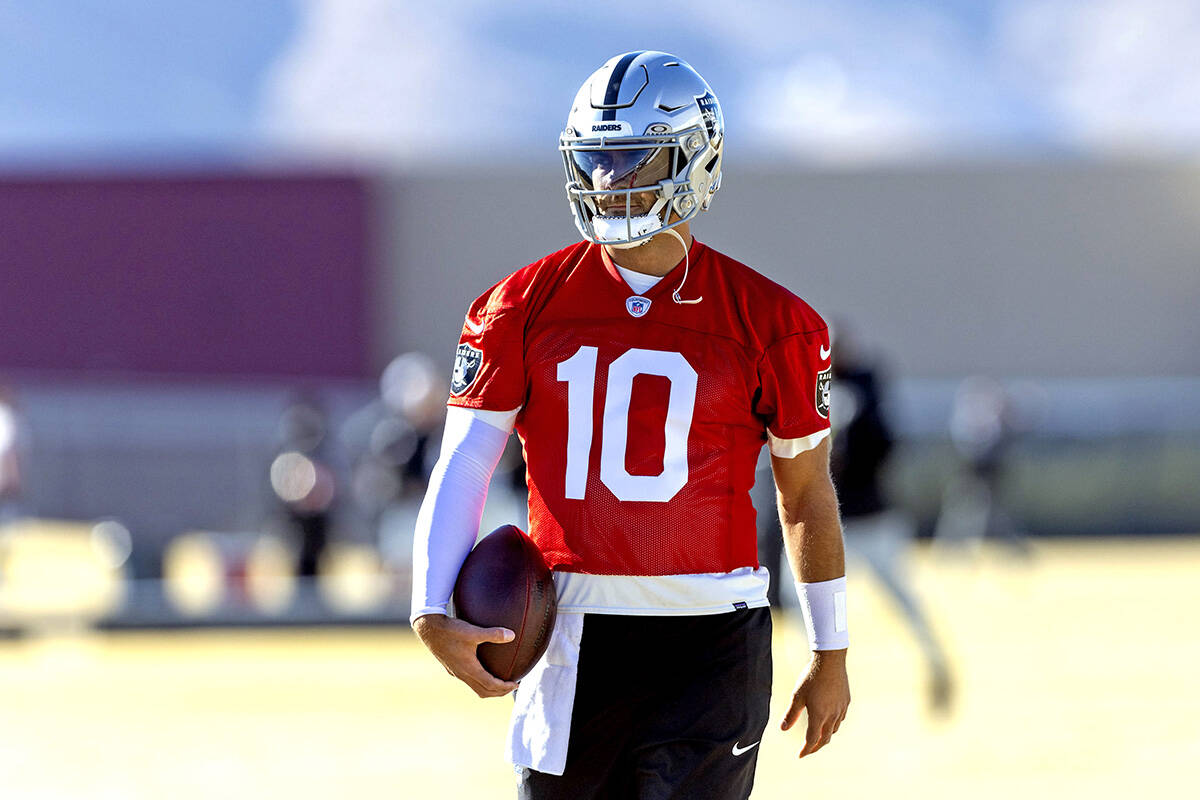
x: 686, y: 261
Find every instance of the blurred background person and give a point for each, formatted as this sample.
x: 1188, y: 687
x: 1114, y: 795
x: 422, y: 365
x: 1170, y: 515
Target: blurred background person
x: 983, y: 430
x: 412, y: 389
x: 13, y: 448
x: 388, y: 444
x: 303, y: 479
x: 877, y: 531
x: 770, y: 534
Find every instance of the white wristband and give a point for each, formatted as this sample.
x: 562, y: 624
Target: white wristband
x: 824, y: 607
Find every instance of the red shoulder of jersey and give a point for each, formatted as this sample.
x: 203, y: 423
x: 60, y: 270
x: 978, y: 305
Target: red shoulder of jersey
x: 773, y: 312
x: 792, y: 340
x: 523, y: 288
x: 494, y: 330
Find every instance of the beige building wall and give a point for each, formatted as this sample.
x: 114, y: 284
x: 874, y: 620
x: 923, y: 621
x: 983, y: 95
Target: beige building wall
x: 1040, y: 269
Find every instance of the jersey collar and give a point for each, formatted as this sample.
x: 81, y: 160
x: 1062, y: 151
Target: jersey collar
x: 670, y: 279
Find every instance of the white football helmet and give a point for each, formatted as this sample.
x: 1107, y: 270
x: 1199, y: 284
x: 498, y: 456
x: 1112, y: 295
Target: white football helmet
x: 643, y: 141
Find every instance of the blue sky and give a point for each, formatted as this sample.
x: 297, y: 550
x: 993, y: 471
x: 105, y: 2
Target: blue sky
x: 128, y: 74
x: 405, y: 82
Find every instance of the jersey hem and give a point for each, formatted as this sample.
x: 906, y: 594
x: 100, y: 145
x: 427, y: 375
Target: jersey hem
x: 662, y: 595
x: 631, y: 611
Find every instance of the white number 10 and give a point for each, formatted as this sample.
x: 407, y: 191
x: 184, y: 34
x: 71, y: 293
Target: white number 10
x: 579, y: 373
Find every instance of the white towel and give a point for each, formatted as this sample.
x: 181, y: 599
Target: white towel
x: 541, y: 718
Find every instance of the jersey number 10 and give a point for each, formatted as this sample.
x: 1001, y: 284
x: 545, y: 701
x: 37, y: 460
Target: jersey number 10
x: 579, y: 373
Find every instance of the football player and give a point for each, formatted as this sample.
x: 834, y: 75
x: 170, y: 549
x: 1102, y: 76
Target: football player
x: 643, y: 372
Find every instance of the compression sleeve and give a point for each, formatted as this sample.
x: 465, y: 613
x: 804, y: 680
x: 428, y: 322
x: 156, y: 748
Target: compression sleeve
x: 448, y: 521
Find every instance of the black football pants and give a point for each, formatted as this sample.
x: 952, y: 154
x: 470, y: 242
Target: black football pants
x: 665, y: 707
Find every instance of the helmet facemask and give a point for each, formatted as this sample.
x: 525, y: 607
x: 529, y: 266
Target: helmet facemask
x: 624, y: 190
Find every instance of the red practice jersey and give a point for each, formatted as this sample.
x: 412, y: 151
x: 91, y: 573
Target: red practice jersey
x: 642, y: 418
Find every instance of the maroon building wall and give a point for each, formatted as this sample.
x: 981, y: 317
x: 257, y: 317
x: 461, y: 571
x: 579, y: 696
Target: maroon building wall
x: 239, y: 275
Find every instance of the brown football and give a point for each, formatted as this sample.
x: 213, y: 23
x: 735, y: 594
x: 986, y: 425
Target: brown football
x: 505, y: 583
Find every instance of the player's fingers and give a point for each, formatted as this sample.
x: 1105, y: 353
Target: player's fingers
x: 815, y: 736
x: 828, y: 728
x: 494, y: 685
x: 811, y: 737
x: 464, y: 664
x: 496, y: 635
x: 793, y: 712
x: 814, y: 747
x: 486, y: 684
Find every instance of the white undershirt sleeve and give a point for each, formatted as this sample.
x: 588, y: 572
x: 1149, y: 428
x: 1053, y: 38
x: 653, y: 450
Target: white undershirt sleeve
x: 448, y: 521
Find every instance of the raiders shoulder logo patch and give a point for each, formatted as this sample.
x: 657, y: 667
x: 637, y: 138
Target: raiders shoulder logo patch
x: 824, y: 379
x: 466, y: 367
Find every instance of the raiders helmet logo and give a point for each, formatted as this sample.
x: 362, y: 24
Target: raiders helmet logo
x: 466, y: 366
x: 824, y: 379
x: 710, y: 111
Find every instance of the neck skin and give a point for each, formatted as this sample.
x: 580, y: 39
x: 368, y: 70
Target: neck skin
x: 657, y: 257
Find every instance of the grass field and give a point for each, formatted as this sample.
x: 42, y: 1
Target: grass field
x: 1078, y: 679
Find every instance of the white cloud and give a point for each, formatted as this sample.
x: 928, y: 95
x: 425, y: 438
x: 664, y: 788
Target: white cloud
x: 849, y: 80
x: 1114, y: 74
x: 857, y: 80
x: 377, y: 78
x: 408, y: 81
x: 813, y: 109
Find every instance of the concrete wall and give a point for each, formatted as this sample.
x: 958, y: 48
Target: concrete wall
x: 1036, y: 270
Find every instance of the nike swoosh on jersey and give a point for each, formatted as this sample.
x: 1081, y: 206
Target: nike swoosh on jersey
x: 737, y: 751
x: 825, y: 353
x: 476, y: 327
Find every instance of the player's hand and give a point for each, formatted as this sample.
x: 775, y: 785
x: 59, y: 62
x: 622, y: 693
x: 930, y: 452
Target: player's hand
x: 453, y: 642
x: 825, y: 691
